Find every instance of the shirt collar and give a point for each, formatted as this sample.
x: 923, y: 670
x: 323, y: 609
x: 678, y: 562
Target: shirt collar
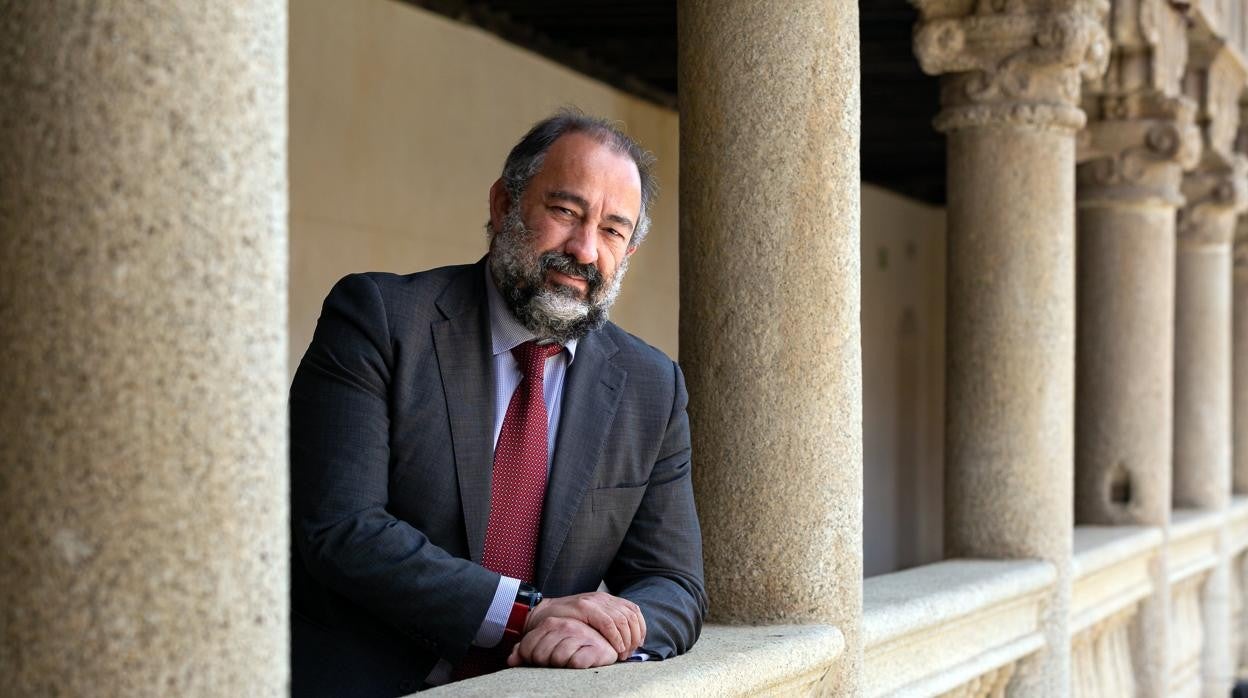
x: 506, y: 332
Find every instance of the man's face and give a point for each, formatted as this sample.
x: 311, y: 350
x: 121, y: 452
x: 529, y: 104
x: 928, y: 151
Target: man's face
x: 559, y: 253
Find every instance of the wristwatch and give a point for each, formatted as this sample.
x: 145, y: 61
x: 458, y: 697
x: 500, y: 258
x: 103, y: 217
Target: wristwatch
x: 527, y: 598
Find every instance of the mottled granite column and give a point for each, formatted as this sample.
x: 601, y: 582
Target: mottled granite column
x: 769, y: 308
x: 1239, y: 408
x: 1216, y: 193
x: 1202, y: 361
x: 143, y: 319
x: 1128, y: 193
x: 1140, y: 138
x: 1010, y: 93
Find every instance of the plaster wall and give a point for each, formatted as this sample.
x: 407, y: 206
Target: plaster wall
x: 903, y: 375
x: 399, y: 122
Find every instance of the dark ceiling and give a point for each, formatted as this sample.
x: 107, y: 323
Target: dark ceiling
x: 900, y: 151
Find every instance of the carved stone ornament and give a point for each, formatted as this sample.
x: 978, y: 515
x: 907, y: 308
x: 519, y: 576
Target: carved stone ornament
x: 1215, y: 195
x: 1149, y: 49
x: 1215, y: 79
x: 1141, y: 158
x: 1011, y: 62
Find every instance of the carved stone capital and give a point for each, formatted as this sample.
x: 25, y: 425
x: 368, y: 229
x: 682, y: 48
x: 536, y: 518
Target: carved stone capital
x: 1011, y: 62
x: 1139, y: 155
x: 1149, y: 52
x: 1216, y: 195
x: 1214, y: 80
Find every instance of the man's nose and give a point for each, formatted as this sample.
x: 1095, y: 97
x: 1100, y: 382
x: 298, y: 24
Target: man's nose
x: 582, y: 245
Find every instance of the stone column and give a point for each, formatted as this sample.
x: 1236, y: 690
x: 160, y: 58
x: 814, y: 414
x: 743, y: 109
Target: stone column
x: 1216, y: 195
x: 1239, y: 409
x: 1140, y: 137
x: 769, y: 322
x: 143, y: 319
x: 1128, y: 194
x: 1010, y: 93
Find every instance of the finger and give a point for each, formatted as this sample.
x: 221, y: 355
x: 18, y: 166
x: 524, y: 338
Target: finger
x: 540, y: 654
x: 592, y: 655
x: 514, y: 659
x: 563, y: 651
x: 627, y: 628
x: 639, y: 629
x: 641, y: 623
x: 524, y: 649
x: 605, y: 624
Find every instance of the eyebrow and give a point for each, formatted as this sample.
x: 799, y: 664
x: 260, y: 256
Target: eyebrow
x: 580, y: 201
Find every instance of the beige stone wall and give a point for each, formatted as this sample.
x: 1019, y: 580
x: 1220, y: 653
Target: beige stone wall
x: 903, y: 379
x: 399, y: 122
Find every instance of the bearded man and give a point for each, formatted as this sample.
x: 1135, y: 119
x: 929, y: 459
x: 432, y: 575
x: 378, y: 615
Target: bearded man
x: 476, y: 449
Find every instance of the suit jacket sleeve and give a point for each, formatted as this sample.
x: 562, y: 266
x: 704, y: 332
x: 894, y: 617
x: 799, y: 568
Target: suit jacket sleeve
x: 659, y: 563
x: 340, y: 469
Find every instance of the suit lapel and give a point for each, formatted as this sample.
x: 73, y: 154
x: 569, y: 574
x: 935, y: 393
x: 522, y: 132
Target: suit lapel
x: 461, y: 342
x: 590, y: 398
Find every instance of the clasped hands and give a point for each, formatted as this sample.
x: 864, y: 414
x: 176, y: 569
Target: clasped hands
x: 579, y: 632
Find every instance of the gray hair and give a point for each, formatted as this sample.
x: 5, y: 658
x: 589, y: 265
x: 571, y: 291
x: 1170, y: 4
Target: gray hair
x: 525, y: 159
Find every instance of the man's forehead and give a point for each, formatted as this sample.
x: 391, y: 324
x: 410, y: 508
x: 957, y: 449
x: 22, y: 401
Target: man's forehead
x: 582, y: 156
x: 579, y: 169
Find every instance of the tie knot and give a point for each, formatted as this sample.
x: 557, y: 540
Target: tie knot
x: 531, y: 356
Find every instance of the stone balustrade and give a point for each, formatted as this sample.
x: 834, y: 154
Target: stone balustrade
x: 767, y: 660
x: 1239, y: 524
x: 1112, y: 569
x: 1186, y: 636
x: 1192, y: 554
x: 954, y: 628
x: 1239, y: 584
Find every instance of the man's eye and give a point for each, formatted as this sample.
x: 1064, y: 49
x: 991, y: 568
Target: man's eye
x: 615, y: 233
x: 564, y: 211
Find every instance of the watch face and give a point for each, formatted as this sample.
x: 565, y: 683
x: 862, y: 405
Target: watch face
x: 528, y: 594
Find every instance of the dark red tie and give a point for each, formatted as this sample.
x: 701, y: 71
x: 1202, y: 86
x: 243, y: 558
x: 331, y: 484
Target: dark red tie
x: 517, y: 490
x: 519, y: 483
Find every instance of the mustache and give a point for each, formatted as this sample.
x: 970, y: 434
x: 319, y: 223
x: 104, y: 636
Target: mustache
x: 566, y: 264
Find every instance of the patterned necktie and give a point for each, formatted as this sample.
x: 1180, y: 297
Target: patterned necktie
x: 519, y: 483
x: 516, y: 493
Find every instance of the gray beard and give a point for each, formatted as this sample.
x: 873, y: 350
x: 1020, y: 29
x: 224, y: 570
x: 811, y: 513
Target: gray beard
x: 549, y: 312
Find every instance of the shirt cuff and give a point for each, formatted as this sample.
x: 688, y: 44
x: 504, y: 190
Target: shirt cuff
x: 491, y: 630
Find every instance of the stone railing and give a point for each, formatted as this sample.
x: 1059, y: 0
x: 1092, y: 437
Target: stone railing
x: 1239, y: 524
x: 1191, y: 553
x: 1112, y: 576
x: 1239, y: 585
x: 954, y: 628
x: 769, y: 660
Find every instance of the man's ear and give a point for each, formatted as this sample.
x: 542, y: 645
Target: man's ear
x: 629, y: 252
x: 500, y: 203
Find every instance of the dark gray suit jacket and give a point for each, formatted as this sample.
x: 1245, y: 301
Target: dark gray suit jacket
x: 391, y: 417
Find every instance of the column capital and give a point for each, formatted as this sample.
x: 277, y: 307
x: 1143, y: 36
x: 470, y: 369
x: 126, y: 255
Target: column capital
x: 1214, y: 192
x: 1149, y: 50
x: 1011, y: 62
x: 1139, y: 155
x: 1215, y: 78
